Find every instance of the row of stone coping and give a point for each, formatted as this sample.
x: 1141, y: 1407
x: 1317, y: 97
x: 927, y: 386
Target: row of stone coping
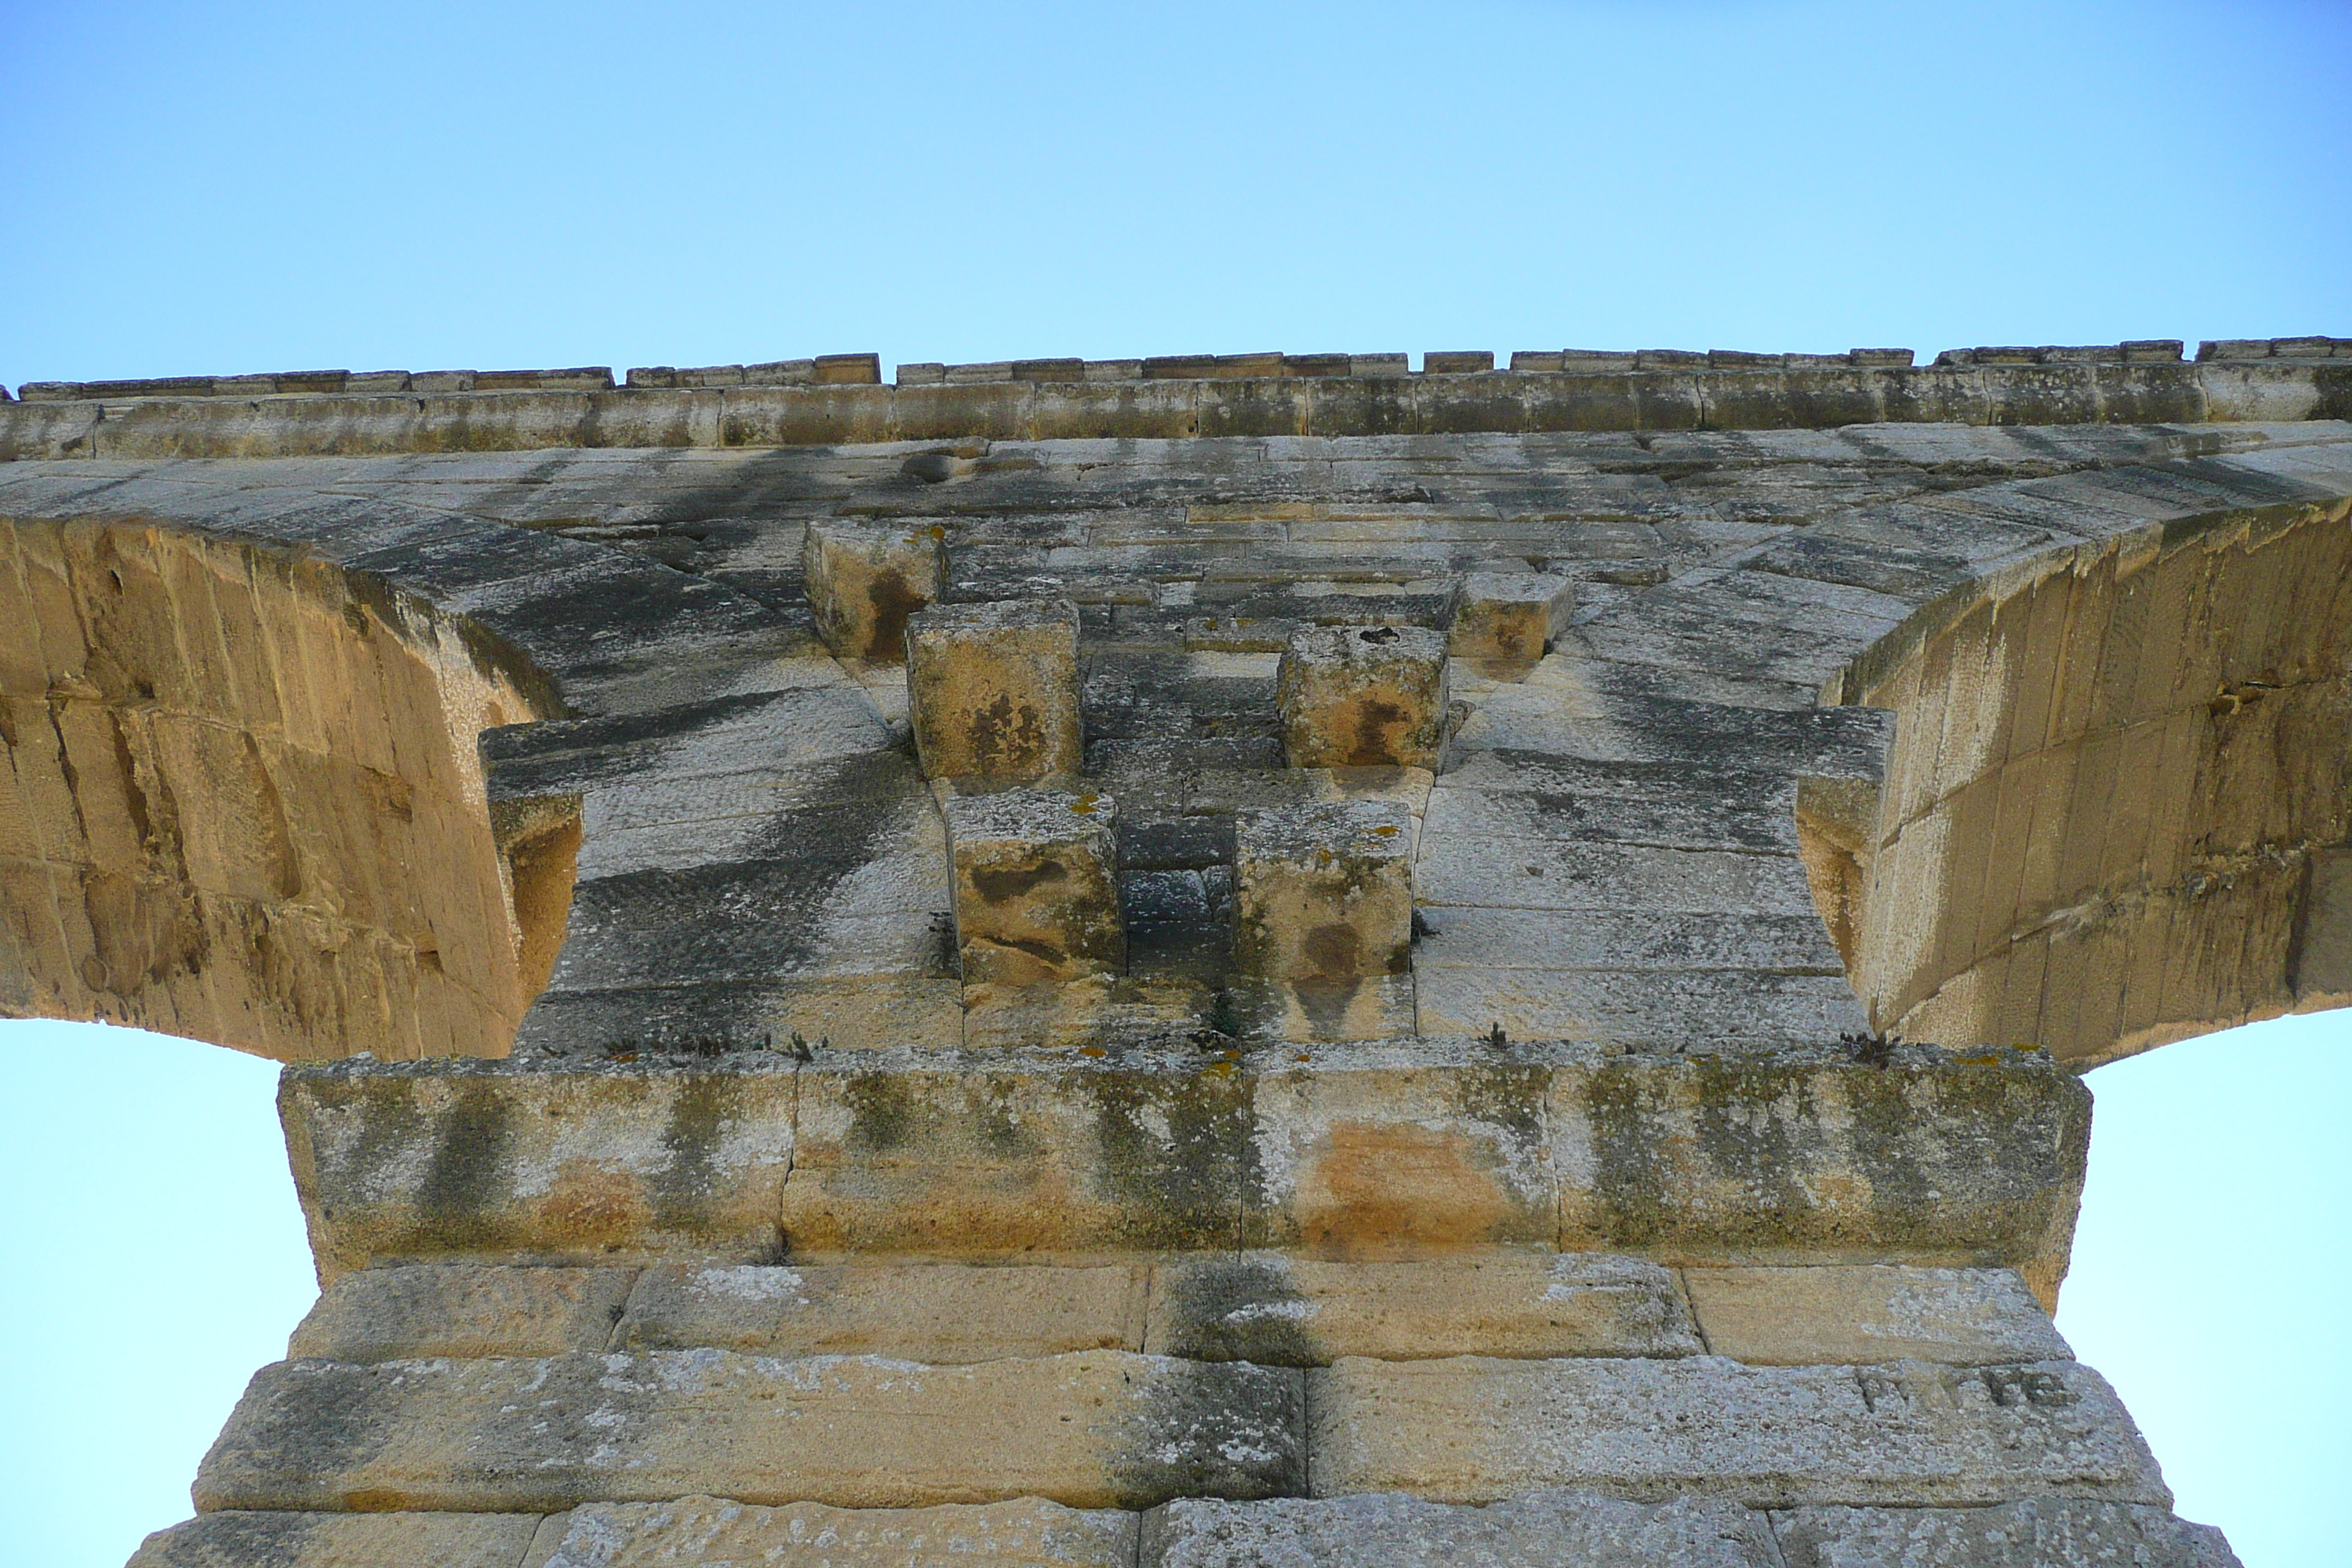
x: 1659, y: 401
x: 865, y: 369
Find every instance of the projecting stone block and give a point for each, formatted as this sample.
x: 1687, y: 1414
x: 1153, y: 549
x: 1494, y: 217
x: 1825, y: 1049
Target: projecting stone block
x: 385, y: 1314
x: 2038, y: 1532
x: 1364, y: 696
x: 993, y: 690
x: 1036, y: 886
x: 1102, y: 1429
x: 946, y: 1314
x: 864, y: 582
x: 1324, y: 891
x: 1910, y: 1433
x: 1854, y: 1316
x: 237, y: 1539
x: 1502, y: 621
x: 1022, y: 1533
x: 1384, y: 1530
x: 1289, y: 1311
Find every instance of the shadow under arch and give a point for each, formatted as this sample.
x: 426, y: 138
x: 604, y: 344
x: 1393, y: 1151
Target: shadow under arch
x: 244, y: 801
x: 2116, y: 810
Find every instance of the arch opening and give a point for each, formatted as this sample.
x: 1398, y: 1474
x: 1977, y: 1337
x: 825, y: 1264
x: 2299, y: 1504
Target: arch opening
x: 244, y: 803
x: 2116, y: 811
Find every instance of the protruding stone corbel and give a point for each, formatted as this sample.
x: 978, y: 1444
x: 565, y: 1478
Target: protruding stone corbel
x: 1503, y: 621
x: 1324, y: 891
x: 865, y: 583
x: 1354, y: 697
x: 993, y: 690
x: 1036, y: 887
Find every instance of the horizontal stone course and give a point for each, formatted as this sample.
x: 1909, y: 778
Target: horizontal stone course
x: 1912, y: 1433
x: 1542, y: 1529
x: 1858, y: 1315
x: 2037, y: 1533
x: 1023, y: 1534
x: 1096, y: 1429
x: 243, y: 1539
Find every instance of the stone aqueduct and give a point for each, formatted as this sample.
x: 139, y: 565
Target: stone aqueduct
x: 1221, y: 961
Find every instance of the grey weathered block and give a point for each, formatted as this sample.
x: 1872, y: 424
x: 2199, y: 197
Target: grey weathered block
x: 1364, y: 696
x: 1503, y: 621
x: 1023, y: 1534
x: 864, y: 582
x: 1387, y: 1530
x: 1098, y: 1429
x: 389, y: 1314
x: 1324, y: 891
x: 243, y: 1539
x: 2036, y: 1532
x: 1035, y: 881
x: 1913, y: 1432
x: 993, y: 689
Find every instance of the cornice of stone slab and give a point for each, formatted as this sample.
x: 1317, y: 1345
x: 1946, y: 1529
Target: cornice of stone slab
x: 1640, y: 397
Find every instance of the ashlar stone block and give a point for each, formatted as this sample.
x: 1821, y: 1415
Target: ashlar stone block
x: 1863, y: 1314
x: 1324, y: 891
x: 1540, y: 1529
x: 1035, y: 887
x: 993, y: 690
x: 1027, y: 1533
x: 1364, y: 696
x: 865, y: 583
x: 1502, y: 621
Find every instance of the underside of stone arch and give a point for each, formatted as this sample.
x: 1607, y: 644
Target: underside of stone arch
x: 1191, y: 962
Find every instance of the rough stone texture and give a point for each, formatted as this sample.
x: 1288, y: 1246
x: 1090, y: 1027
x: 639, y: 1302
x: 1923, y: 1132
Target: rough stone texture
x: 1324, y: 892
x: 1858, y: 1315
x: 993, y: 690
x: 238, y: 1539
x: 864, y: 582
x: 1025, y: 1534
x: 1036, y: 886
x: 1101, y: 1429
x: 1364, y: 697
x: 1387, y: 1530
x: 1913, y: 1432
x: 1503, y: 621
x: 2038, y: 1532
x: 392, y: 1314
x: 1287, y: 1311
x: 939, y: 1315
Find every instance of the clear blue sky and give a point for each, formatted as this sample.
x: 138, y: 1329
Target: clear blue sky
x: 226, y: 188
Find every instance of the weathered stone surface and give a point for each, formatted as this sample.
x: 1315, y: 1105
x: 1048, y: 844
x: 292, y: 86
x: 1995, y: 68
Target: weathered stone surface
x: 1473, y: 1429
x: 993, y: 689
x: 1036, y: 886
x: 391, y: 1314
x: 1023, y: 1534
x: 944, y: 1315
x: 1364, y: 697
x: 864, y: 582
x: 1502, y: 621
x: 1099, y: 1429
x: 580, y: 1164
x: 1856, y: 1315
x: 2037, y: 1533
x: 241, y: 1539
x: 1288, y: 1312
x: 1386, y: 1530
x: 1324, y: 892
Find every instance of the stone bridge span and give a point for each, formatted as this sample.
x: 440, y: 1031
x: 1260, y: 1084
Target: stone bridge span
x: 1532, y: 1012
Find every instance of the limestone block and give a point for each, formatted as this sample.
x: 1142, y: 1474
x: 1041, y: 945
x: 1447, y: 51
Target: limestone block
x: 1909, y: 1434
x: 1324, y: 891
x: 1098, y: 1429
x: 1036, y: 886
x: 1858, y: 1315
x: 598, y: 1164
x: 993, y: 689
x: 1543, y: 1529
x: 389, y: 1314
x: 1027, y: 1533
x: 1290, y: 1311
x: 863, y: 582
x: 1364, y: 696
x: 2036, y: 1532
x: 945, y: 1315
x: 1502, y: 621
x: 241, y: 1539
